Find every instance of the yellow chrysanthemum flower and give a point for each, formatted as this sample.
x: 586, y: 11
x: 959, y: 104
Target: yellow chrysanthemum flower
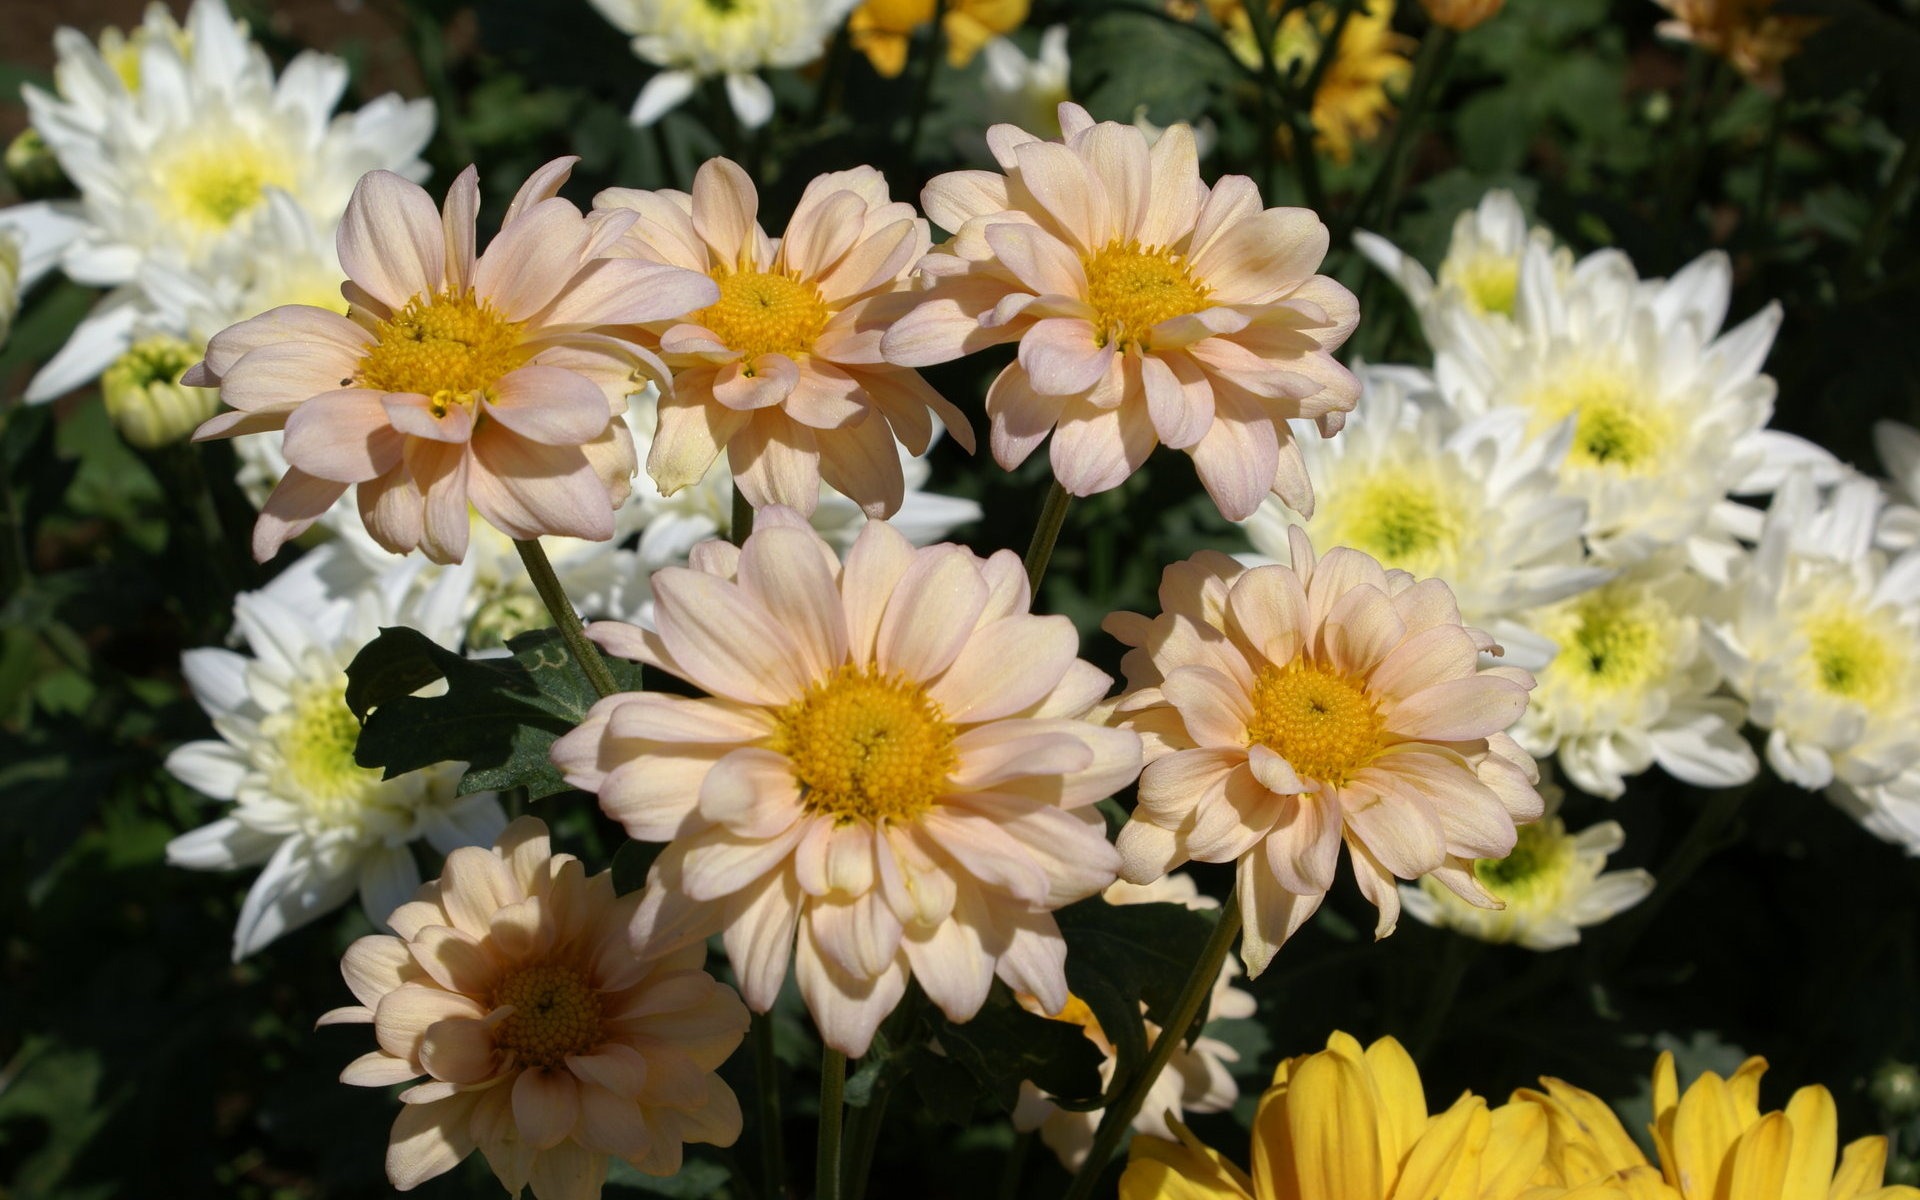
x: 883, y: 29
x: 1713, y: 1141
x: 1370, y: 60
x: 1352, y: 1124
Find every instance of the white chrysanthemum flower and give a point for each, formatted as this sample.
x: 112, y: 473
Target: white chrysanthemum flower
x: 675, y: 524
x: 691, y: 40
x: 1473, y: 501
x: 1633, y: 685
x: 323, y: 826
x: 1823, y: 641
x: 1899, y: 447
x: 94, y: 78
x: 1479, y: 279
x: 1668, y: 413
x: 1553, y: 885
x: 178, y: 169
x: 1020, y: 91
x: 1198, y: 1078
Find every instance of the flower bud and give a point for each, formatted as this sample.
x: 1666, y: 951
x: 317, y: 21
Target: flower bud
x: 32, y: 169
x: 145, y: 398
x: 506, y: 616
x: 1896, y: 1089
x: 1460, y: 15
x: 9, y: 282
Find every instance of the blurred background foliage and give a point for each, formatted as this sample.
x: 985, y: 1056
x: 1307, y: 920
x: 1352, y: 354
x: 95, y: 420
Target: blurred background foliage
x: 136, y: 1060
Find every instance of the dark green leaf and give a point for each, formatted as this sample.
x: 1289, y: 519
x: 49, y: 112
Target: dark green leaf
x: 1004, y: 1044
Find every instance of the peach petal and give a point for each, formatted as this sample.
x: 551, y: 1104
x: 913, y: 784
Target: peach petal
x: 1402, y: 835
x: 1021, y: 417
x: 763, y: 383
x: 458, y: 1050
x: 750, y: 792
x: 880, y: 556
x: 759, y: 937
x: 1266, y: 614
x: 630, y: 291
x: 1360, y: 630
x: 1432, y: 656
x: 546, y: 1106
x: 1170, y: 787
x: 725, y: 643
x: 953, y: 199
x: 391, y: 241
x: 412, y: 414
x: 1008, y: 750
x: 931, y: 614
x: 543, y: 184
x: 280, y: 375
x: 1275, y: 773
x: 375, y: 965
x: 951, y: 965
x: 1005, y: 667
x: 290, y: 324
x: 1034, y: 959
x: 1119, y: 159
x: 825, y: 397
x: 1273, y: 914
x: 550, y: 405
x: 1459, y: 710
x: 1176, y: 192
x: 1096, y: 449
x: 1066, y: 192
x: 719, y: 864
x: 1216, y: 711
x: 1303, y: 850
x: 847, y: 1008
x: 1063, y: 356
x: 776, y: 461
x: 1038, y: 259
x: 616, y: 1066
x: 458, y: 217
x: 724, y: 207
x: 342, y: 436
x: 1179, y: 399
x: 528, y: 490
x: 377, y: 1068
x: 391, y: 509
x: 858, y: 934
x: 296, y: 503
x: 690, y: 436
x: 532, y: 259
x: 1261, y: 258
x: 454, y: 959
x: 988, y: 853
x: 440, y: 472
x: 429, y: 1140
x: 1237, y: 458
x: 789, y: 573
x: 401, y: 1018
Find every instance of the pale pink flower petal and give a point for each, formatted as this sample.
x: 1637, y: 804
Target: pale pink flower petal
x: 391, y: 241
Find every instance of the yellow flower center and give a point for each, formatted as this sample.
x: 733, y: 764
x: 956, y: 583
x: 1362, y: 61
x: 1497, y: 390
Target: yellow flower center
x: 1613, y: 428
x: 1402, y: 519
x: 1132, y: 289
x: 451, y: 349
x: 762, y: 313
x: 555, y: 1013
x: 214, y: 181
x: 1488, y: 281
x: 1323, y: 723
x: 865, y: 747
x: 1614, y: 641
x: 316, y: 736
x: 1850, y: 659
x: 1535, y: 870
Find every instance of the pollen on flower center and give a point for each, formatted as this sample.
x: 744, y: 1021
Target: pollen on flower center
x: 555, y: 1013
x: 1489, y: 281
x: 865, y: 747
x: 1541, y: 854
x: 1402, y: 520
x: 762, y: 313
x: 1132, y: 289
x: 316, y: 736
x: 1323, y: 723
x: 1850, y: 659
x: 1614, y: 642
x: 1613, y: 429
x: 451, y: 349
x: 214, y: 184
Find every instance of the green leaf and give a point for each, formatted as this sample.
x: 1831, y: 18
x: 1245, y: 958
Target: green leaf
x: 499, y: 715
x: 1124, y: 59
x: 1004, y: 1044
x: 697, y: 1179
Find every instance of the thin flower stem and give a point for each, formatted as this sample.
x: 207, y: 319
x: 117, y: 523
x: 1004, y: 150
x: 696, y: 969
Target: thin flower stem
x: 923, y: 87
x: 1904, y: 173
x: 1118, y: 1117
x: 833, y: 1081
x: 1297, y: 107
x: 1015, y: 1168
x: 1430, y: 64
x: 740, y: 527
x: 584, y: 652
x: 766, y: 1085
x: 863, y: 1138
x: 1046, y: 532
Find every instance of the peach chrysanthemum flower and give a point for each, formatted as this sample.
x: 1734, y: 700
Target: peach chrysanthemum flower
x: 784, y: 370
x: 453, y: 380
x: 892, y: 768
x: 1148, y: 307
x: 549, y: 1044
x: 1288, y: 708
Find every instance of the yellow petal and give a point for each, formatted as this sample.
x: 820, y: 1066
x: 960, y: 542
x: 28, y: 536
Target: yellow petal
x: 1863, y: 1164
x: 1449, y: 1149
x: 1403, y: 1103
x: 1704, y: 1130
x: 1666, y: 1084
x: 1816, y: 1139
x: 1580, y: 1114
x: 1744, y: 1087
x: 1516, y: 1149
x: 1760, y: 1160
x: 1184, y: 1170
x: 1320, y: 1138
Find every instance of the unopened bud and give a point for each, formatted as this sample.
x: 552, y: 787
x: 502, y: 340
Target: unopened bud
x: 505, y: 616
x: 1460, y: 15
x: 32, y: 169
x: 147, y: 401
x: 1896, y: 1089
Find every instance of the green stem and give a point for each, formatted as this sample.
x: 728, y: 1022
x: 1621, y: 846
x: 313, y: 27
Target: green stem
x: 1015, y: 1168
x: 1298, y: 108
x: 1430, y: 64
x: 766, y: 1086
x: 1904, y: 173
x: 1118, y: 1117
x: 863, y: 1137
x: 1053, y: 513
x: 740, y: 528
x: 584, y: 652
x: 923, y: 87
x: 833, y: 1081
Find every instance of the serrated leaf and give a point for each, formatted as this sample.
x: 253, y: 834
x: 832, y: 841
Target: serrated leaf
x: 499, y: 715
x: 1124, y: 59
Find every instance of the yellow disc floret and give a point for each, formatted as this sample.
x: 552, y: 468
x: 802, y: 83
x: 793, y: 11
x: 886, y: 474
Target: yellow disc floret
x: 1536, y: 871
x: 211, y: 182
x: 1323, y: 723
x: 1132, y: 289
x: 1850, y: 659
x: 764, y: 313
x: 315, y: 736
x: 1402, y: 518
x: 1614, y: 640
x: 555, y: 1013
x: 451, y: 349
x: 866, y: 747
x: 1614, y: 428
x: 1490, y: 282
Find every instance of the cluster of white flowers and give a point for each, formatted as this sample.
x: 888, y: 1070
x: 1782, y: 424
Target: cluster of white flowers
x: 208, y: 188
x: 1576, y: 464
